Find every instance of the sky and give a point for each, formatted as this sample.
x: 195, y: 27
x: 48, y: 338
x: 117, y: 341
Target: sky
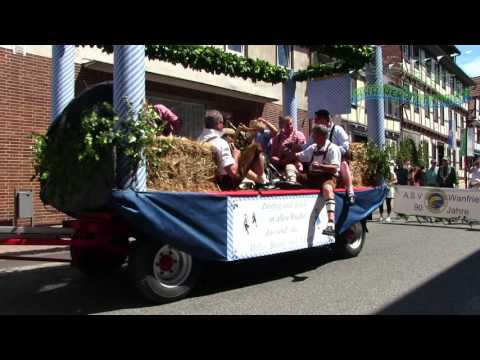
x: 469, y: 60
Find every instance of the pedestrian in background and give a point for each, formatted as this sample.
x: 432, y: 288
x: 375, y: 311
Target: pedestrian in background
x: 474, y: 175
x: 431, y: 174
x: 447, y: 175
x: 419, y: 175
x: 390, y: 194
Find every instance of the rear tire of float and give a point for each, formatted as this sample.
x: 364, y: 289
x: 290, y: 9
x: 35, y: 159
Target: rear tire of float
x: 351, y: 242
x: 161, y: 273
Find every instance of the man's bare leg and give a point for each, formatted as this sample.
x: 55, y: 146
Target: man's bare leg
x: 329, y: 197
x: 257, y: 171
x: 348, y: 181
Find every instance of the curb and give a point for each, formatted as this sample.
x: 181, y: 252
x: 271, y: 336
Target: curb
x: 36, y: 252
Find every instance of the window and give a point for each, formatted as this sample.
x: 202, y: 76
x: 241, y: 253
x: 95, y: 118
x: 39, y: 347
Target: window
x: 428, y: 67
x: 442, y: 115
x: 284, y: 55
x: 435, y: 110
x: 450, y: 117
x: 444, y: 78
x: 454, y: 155
x: 452, y: 84
x: 457, y: 121
x: 416, y: 101
x: 427, y: 107
x: 434, y: 152
x: 416, y: 56
x: 236, y: 49
x: 392, y: 107
x: 437, y: 72
x: 354, y: 92
x: 406, y: 52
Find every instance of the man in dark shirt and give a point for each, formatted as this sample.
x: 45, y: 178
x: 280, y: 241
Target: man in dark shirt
x: 447, y: 175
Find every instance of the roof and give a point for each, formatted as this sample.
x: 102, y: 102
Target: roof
x: 448, y: 63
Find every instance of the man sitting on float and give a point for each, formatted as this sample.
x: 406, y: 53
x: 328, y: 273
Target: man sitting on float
x: 324, y: 158
x: 232, y: 166
x: 339, y: 137
x: 284, y: 146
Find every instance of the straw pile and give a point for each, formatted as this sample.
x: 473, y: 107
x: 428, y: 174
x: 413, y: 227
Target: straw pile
x: 358, y: 165
x: 179, y: 164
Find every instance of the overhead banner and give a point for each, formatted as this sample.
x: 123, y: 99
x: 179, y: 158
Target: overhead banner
x: 437, y: 202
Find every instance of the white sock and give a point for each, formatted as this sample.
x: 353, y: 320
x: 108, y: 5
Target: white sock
x: 330, y: 205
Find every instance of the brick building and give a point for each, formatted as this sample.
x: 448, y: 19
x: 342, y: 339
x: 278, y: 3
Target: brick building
x: 25, y: 104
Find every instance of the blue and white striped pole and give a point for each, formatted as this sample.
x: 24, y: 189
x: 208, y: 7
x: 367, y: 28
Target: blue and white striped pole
x: 129, y: 84
x: 375, y: 105
x: 290, y: 99
x: 63, y: 77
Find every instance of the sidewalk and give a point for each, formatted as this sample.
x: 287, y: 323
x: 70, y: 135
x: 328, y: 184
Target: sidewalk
x: 19, y: 250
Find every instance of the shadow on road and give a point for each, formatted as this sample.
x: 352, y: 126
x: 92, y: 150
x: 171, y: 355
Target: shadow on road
x: 227, y: 276
x: 64, y: 290
x: 455, y: 291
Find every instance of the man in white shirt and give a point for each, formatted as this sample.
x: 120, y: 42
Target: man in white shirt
x: 339, y: 137
x: 228, y: 174
x: 324, y: 158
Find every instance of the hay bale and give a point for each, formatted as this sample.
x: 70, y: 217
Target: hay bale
x: 180, y: 164
x: 358, y: 165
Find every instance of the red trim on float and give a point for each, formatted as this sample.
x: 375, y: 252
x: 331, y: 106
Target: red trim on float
x: 244, y: 193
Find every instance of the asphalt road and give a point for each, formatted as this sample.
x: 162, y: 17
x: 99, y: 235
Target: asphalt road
x: 404, y: 269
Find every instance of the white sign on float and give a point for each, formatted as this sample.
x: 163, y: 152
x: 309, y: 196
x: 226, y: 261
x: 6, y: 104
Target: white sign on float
x: 269, y: 225
x: 437, y: 202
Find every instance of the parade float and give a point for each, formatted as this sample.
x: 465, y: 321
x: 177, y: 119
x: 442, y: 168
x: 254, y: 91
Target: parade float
x: 136, y: 195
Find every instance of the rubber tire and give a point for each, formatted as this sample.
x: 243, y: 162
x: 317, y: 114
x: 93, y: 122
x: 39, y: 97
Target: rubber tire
x: 140, y: 268
x: 344, y: 250
x: 93, y: 263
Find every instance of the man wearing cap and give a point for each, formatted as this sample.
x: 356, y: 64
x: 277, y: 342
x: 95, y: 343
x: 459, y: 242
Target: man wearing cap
x: 339, y: 137
x: 324, y: 158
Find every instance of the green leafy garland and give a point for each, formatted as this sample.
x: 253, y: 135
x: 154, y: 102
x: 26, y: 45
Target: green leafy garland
x: 217, y: 61
x: 344, y: 59
x: 101, y: 134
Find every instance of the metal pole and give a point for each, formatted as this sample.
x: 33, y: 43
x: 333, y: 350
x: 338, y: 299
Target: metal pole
x: 129, y: 87
x: 290, y: 99
x: 63, y: 77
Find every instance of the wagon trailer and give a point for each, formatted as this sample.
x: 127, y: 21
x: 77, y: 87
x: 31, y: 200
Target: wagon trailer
x: 167, y: 237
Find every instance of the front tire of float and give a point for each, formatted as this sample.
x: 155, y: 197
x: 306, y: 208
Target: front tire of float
x: 351, y: 242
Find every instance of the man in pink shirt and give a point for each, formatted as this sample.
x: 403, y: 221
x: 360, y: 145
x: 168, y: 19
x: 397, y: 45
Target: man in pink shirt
x: 173, y: 123
x: 285, y: 145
